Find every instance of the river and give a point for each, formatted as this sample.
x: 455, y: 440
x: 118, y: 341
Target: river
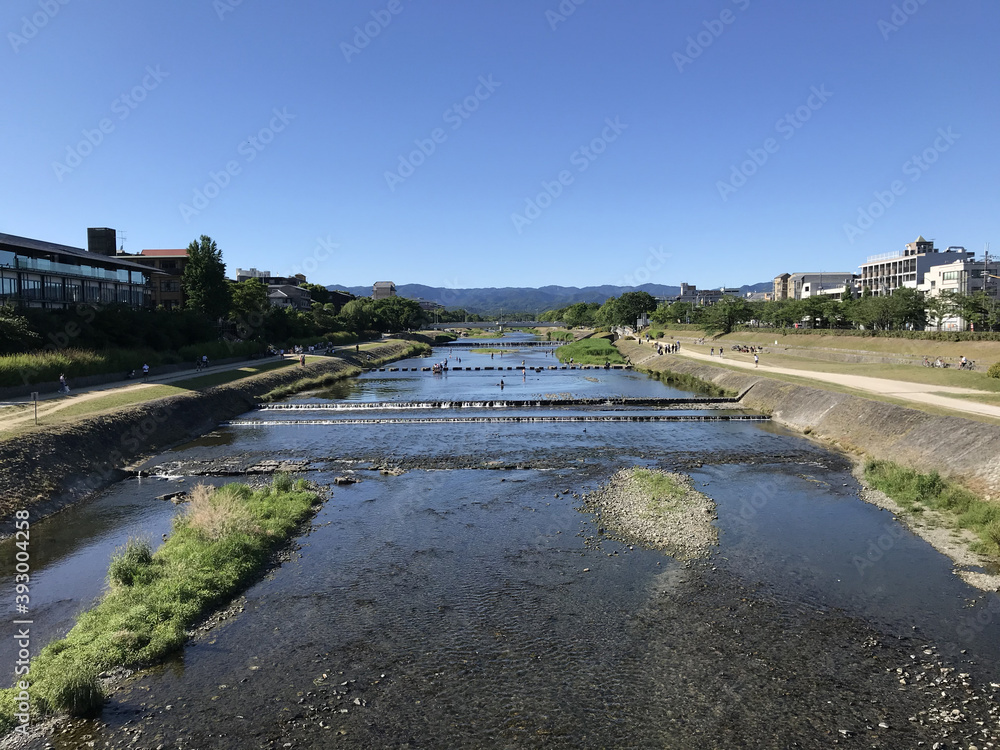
x: 458, y: 595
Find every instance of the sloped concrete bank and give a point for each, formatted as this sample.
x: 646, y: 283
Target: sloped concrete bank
x: 53, y: 467
x: 963, y: 450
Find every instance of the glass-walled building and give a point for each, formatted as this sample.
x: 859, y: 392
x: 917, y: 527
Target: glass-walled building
x: 34, y: 273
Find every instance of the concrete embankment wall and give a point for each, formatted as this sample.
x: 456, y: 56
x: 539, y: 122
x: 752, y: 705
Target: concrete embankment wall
x: 960, y: 449
x: 51, y: 467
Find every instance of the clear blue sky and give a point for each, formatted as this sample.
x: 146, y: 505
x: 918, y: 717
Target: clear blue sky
x: 202, y: 83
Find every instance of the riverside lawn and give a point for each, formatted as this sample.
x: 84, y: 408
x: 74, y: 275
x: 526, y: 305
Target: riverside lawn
x: 592, y: 351
x: 217, y: 548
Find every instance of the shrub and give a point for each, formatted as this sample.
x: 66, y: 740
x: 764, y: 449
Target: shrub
x: 214, y: 513
x: 130, y: 561
x: 994, y: 371
x: 75, y: 690
x: 992, y: 533
x: 282, y: 482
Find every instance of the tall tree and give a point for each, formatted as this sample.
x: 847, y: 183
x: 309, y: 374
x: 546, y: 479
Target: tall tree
x: 624, y: 310
x: 248, y: 297
x: 726, y: 314
x: 358, y: 315
x: 396, y: 314
x: 204, y: 279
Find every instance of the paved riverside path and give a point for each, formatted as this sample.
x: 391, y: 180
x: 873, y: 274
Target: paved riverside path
x: 18, y: 411
x: 921, y: 393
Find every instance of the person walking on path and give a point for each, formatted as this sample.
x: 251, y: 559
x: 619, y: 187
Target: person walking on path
x: 302, y: 360
x: 63, y: 386
x: 145, y: 373
x: 755, y: 360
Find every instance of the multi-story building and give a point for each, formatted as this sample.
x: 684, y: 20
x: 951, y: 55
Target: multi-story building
x: 968, y: 276
x: 383, y: 290
x: 35, y: 273
x: 833, y: 284
x: 288, y: 295
x: 167, y: 289
x: 883, y: 274
x: 691, y: 293
x: 266, y: 278
x: 338, y: 298
x: 964, y: 277
x: 242, y: 274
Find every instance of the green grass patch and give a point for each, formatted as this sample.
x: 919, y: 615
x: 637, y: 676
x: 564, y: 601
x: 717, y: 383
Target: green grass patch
x: 308, y: 384
x: 47, y: 366
x: 916, y: 492
x: 494, y: 350
x: 560, y: 336
x: 213, y: 379
x: 591, y: 351
x: 217, y: 548
x: 118, y: 399
x: 685, y: 382
x: 661, y: 491
x: 413, y: 349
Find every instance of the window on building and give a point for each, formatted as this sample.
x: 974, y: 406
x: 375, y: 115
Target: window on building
x: 31, y: 286
x: 949, y: 276
x: 53, y: 289
x: 92, y: 291
x: 74, y: 291
x: 168, y: 265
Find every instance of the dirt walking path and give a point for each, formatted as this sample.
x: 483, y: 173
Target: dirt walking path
x: 20, y: 412
x: 922, y: 393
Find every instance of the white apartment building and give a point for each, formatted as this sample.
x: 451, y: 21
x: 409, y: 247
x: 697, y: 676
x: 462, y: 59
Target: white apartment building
x: 883, y: 274
x: 833, y: 284
x: 963, y: 277
x: 251, y: 273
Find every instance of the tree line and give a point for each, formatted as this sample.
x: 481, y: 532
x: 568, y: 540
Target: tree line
x: 905, y: 309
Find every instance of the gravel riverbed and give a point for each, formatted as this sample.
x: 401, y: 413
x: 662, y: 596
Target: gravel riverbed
x: 680, y: 524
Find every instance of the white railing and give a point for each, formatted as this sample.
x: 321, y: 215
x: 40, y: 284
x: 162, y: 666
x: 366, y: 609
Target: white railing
x: 884, y: 256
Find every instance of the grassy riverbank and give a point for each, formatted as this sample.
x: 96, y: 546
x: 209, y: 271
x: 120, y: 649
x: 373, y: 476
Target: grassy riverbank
x: 47, y: 366
x: 958, y: 507
x: 592, y: 351
x: 411, y: 349
x: 218, y: 546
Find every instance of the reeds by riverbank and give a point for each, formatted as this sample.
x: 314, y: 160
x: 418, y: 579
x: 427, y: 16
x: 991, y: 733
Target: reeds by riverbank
x: 217, y: 548
x: 917, y: 493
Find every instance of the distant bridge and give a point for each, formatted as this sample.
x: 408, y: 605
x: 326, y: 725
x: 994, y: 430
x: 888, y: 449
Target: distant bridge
x: 497, y: 324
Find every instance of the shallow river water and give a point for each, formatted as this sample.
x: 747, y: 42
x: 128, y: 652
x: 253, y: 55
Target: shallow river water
x: 470, y: 601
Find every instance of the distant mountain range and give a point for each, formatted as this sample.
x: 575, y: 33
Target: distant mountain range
x: 525, y: 299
